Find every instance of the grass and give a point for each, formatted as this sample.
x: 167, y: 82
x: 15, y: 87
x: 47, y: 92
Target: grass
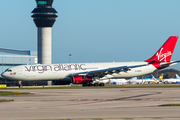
x: 4, y: 93
x: 106, y: 86
x: 6, y: 100
x: 170, y: 105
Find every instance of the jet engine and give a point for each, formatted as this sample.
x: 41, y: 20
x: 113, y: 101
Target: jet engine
x: 79, y: 79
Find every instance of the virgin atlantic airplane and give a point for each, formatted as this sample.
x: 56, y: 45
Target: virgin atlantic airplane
x: 94, y: 73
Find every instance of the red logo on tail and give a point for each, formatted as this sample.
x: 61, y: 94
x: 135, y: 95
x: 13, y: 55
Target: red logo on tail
x: 162, y: 57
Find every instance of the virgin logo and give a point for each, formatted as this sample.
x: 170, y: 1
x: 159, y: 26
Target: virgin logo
x: 161, y: 56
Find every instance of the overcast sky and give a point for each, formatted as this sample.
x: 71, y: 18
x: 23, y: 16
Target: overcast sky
x: 95, y: 30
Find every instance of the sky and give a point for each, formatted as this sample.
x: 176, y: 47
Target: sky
x: 95, y: 30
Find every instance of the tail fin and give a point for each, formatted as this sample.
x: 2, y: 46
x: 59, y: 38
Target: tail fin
x: 161, y: 77
x: 177, y: 76
x: 153, y: 78
x: 165, y: 52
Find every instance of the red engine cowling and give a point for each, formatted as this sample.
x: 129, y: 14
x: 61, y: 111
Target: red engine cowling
x: 78, y: 79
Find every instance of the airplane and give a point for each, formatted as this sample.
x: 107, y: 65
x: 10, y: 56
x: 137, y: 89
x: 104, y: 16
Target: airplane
x: 161, y: 77
x: 118, y: 81
x: 115, y: 81
x: 135, y: 80
x: 154, y: 79
x: 94, y: 73
x: 173, y: 80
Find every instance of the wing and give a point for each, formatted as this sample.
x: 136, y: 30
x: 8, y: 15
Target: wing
x: 108, y: 71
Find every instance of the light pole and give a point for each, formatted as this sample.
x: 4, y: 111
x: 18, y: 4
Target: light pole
x: 70, y: 58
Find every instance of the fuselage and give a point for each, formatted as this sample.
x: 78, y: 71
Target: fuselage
x: 61, y: 71
x: 85, y: 73
x: 171, y: 80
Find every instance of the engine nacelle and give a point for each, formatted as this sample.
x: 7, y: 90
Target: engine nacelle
x: 79, y: 79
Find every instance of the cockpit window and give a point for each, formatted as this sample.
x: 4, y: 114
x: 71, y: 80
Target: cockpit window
x: 8, y: 70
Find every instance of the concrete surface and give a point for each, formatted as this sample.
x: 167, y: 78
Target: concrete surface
x: 92, y: 104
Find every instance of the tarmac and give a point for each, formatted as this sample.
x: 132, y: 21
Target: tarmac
x: 92, y: 104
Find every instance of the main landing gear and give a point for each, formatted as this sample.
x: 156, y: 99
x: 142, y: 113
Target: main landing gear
x: 20, y: 84
x: 91, y: 84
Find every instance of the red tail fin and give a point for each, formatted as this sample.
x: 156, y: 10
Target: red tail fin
x: 165, y: 52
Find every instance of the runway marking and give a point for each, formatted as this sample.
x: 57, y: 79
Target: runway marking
x: 90, y: 99
x: 152, y: 99
x: 118, y: 118
x: 116, y: 99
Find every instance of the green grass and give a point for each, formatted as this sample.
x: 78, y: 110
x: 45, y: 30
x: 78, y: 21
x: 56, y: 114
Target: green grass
x: 170, y: 105
x: 6, y: 100
x: 106, y: 86
x: 4, y: 93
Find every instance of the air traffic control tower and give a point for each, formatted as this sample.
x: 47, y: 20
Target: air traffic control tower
x: 44, y: 17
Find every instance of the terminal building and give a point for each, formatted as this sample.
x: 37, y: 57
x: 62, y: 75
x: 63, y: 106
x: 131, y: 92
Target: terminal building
x: 11, y: 58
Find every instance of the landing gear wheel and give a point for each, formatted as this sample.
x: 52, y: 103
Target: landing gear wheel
x: 90, y: 84
x: 101, y: 84
x: 96, y: 84
x: 20, y: 85
x: 84, y: 84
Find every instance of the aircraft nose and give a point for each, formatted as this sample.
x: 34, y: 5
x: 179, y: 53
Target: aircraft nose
x: 3, y: 74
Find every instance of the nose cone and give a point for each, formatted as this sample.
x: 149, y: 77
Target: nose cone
x: 4, y: 75
x: 7, y: 75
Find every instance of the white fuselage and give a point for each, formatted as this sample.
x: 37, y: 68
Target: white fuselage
x: 89, y: 72
x: 118, y: 81
x: 171, y: 80
x: 61, y: 71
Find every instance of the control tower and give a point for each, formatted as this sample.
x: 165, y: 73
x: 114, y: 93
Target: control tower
x: 44, y: 17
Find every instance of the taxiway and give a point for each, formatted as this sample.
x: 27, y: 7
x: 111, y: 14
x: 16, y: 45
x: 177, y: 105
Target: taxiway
x: 91, y: 104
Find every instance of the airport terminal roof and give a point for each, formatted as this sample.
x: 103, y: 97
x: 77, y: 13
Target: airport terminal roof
x: 11, y: 51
